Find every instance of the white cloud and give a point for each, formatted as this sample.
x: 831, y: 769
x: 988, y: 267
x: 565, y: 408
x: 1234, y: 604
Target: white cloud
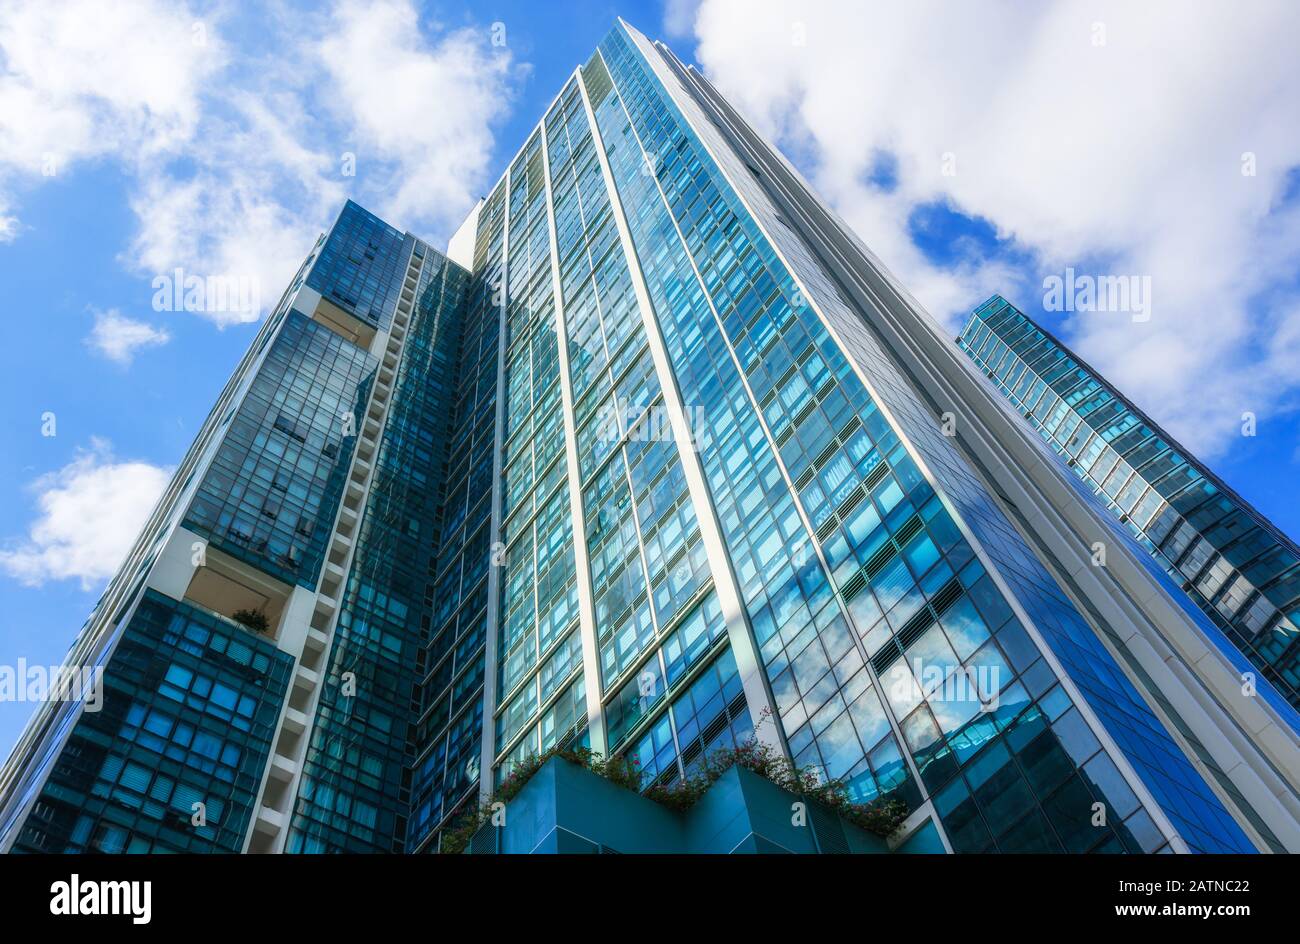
x: 118, y: 337
x: 424, y: 109
x: 1122, y: 158
x: 679, y: 17
x: 413, y: 112
x: 83, y: 78
x: 89, y: 513
x: 233, y: 144
x: 80, y: 79
x: 242, y: 215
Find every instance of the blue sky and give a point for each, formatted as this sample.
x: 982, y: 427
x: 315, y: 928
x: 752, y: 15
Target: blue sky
x: 213, y: 139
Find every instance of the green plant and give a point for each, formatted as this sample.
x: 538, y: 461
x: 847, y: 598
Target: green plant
x: 620, y: 770
x: 254, y: 619
x: 881, y: 816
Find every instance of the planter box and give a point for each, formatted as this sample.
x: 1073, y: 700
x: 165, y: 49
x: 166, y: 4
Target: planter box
x: 567, y: 809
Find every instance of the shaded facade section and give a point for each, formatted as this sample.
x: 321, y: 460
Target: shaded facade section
x: 354, y: 793
x: 359, y: 268
x: 271, y: 494
x: 173, y: 760
x: 449, y: 708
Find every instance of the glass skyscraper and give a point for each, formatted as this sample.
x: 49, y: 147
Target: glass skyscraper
x: 657, y: 459
x: 1233, y: 562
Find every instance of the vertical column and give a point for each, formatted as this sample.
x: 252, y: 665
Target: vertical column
x: 488, y: 747
x: 753, y: 678
x: 586, y: 605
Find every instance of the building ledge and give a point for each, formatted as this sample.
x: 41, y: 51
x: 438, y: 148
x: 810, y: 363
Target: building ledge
x: 566, y: 809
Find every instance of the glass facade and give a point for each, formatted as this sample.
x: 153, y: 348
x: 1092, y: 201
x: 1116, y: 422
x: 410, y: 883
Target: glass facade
x: 709, y: 714
x: 850, y: 556
x: 636, y: 476
x: 816, y: 668
x: 271, y: 494
x: 190, y: 704
x: 540, y: 690
x: 452, y: 664
x: 360, y: 265
x: 354, y: 795
x: 1234, y: 564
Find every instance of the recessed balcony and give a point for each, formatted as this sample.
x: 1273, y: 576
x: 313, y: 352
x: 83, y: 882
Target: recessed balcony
x: 239, y: 593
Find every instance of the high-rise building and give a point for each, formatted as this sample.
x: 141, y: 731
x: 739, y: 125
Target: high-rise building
x: 657, y: 460
x: 1230, y: 559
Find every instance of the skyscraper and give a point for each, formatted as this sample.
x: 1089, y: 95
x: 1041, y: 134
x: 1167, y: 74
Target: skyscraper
x: 657, y: 460
x: 1230, y: 559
